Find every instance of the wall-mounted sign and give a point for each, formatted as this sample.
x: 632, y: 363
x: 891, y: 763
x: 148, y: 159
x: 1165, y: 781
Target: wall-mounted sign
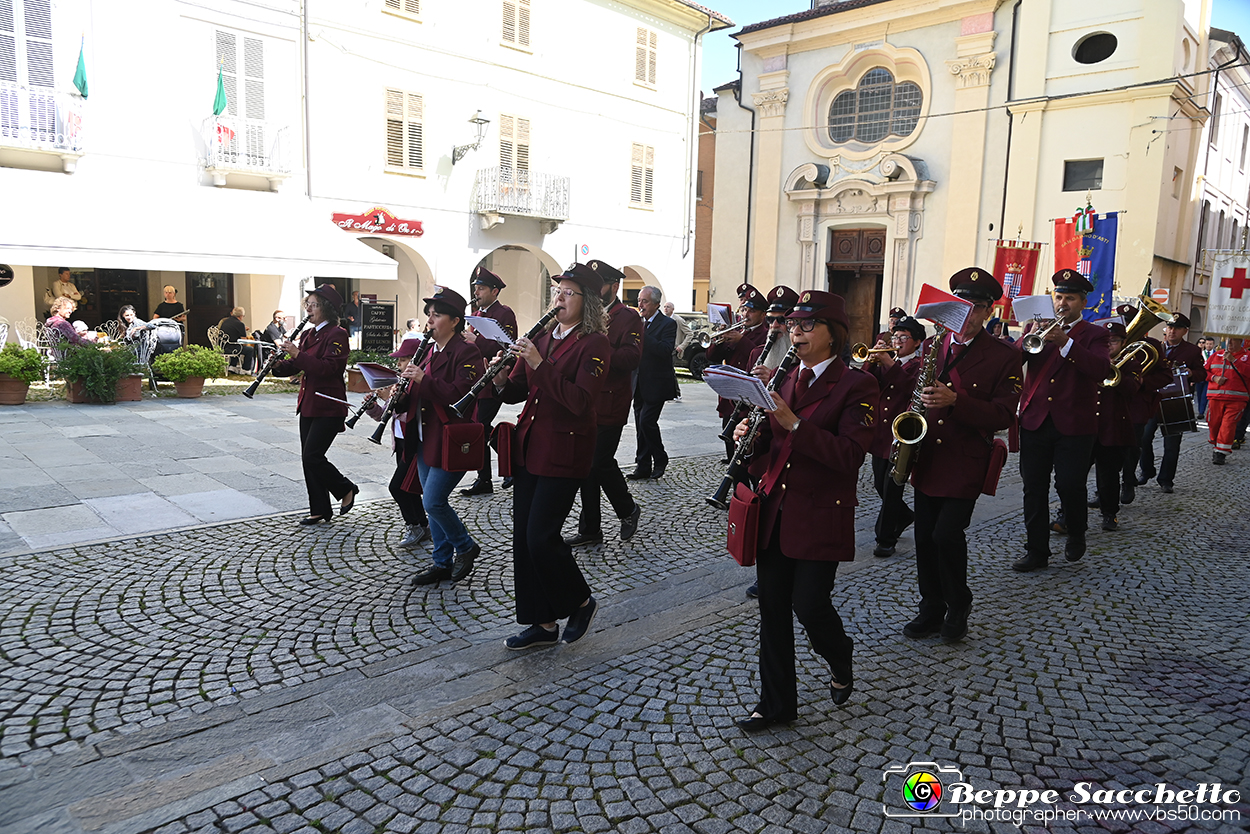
x: 6, y: 275
x: 379, y: 221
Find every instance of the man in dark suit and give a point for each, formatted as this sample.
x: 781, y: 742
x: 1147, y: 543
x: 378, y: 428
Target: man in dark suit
x: 1176, y: 351
x: 1058, y: 423
x: 975, y: 391
x: 611, y: 415
x: 657, y: 384
x: 486, y: 287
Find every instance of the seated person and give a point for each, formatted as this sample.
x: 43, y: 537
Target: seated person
x: 276, y: 331
x: 234, y: 328
x: 129, y: 324
x: 81, y: 328
x: 60, y: 330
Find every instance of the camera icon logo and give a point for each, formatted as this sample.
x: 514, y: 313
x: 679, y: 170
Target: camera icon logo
x: 916, y: 789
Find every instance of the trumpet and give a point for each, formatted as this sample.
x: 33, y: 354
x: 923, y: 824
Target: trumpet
x: 464, y: 405
x: 1034, y: 342
x: 861, y: 353
x: 274, y: 358
x: 707, y: 339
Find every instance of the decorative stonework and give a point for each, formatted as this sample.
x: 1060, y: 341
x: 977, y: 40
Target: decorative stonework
x: 972, y: 70
x: 771, y: 103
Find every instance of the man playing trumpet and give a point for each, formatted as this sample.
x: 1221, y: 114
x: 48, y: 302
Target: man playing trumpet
x: 733, y: 347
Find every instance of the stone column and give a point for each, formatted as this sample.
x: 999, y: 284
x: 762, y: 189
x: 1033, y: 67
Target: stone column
x: 770, y: 107
x: 971, y: 71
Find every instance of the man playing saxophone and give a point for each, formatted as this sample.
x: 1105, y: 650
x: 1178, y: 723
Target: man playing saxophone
x: 974, y: 393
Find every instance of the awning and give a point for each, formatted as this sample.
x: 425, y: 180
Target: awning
x: 53, y: 220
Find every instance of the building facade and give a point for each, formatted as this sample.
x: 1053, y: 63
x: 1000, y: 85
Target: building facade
x: 889, y: 142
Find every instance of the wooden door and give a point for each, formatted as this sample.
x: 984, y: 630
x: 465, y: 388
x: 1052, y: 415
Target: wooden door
x: 210, y: 298
x: 855, y: 270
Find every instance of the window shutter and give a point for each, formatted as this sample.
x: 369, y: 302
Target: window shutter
x: 523, y: 23
x: 412, y: 7
x: 509, y: 22
x: 8, y: 42
x: 416, y: 144
x: 507, y: 155
x: 651, y: 58
x: 636, y: 174
x: 38, y: 24
x: 227, y: 61
x: 649, y: 180
x: 253, y: 78
x: 640, y: 56
x: 394, y: 128
x: 523, y: 144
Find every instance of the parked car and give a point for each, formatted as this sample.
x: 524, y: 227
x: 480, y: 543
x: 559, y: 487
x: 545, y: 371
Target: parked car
x: 694, y: 357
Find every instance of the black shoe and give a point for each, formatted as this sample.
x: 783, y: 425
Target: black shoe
x: 479, y: 487
x: 315, y: 519
x: 629, y: 524
x: 753, y: 590
x: 532, y: 637
x: 639, y: 475
x: 431, y: 576
x: 1075, y: 547
x: 841, y: 694
x: 1059, y: 525
x: 583, y: 539
x: 1237, y: 444
x: 579, y: 622
x: 1144, y: 479
x: 898, y: 531
x: 955, y: 626
x: 1166, y: 489
x: 1128, y: 492
x: 1031, y: 562
x: 925, y: 624
x: 1094, y: 502
x: 1217, y: 458
x: 657, y: 474
x: 462, y: 564
x: 883, y: 550
x: 349, y: 501
x: 758, y: 723
x: 1110, y: 525
x: 507, y: 483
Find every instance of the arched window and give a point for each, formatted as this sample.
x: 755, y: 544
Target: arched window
x: 875, y: 109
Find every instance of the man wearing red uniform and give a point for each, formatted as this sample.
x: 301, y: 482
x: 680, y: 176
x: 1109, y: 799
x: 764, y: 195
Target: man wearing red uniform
x: 1228, y: 371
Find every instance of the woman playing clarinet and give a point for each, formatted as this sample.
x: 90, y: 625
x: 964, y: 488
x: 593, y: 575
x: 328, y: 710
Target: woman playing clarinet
x: 558, y: 377
x: 322, y: 356
x: 814, y: 445
x: 447, y: 372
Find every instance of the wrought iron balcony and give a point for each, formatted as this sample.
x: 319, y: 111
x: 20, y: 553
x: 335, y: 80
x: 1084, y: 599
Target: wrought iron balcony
x: 248, y: 147
x: 522, y: 193
x: 42, y: 120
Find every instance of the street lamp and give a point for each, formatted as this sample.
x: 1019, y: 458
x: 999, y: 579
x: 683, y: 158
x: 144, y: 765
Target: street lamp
x: 458, y: 151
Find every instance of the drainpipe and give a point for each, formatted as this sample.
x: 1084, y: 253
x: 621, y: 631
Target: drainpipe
x: 1011, y: 119
x: 746, y: 261
x: 303, y: 58
x: 693, y: 157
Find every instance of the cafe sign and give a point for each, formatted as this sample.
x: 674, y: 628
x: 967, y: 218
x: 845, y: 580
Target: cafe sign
x: 378, y: 220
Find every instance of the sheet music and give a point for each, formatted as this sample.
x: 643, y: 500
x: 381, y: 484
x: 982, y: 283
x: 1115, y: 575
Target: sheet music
x: 489, y: 329
x: 720, y: 314
x: 377, y: 376
x: 733, y: 384
x: 942, y: 308
x: 1028, y: 306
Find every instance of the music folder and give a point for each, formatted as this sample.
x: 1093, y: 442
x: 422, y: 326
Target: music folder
x: 489, y: 329
x: 733, y: 384
x: 377, y: 376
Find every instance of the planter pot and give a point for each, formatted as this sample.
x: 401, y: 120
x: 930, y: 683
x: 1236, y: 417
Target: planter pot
x: 356, y: 382
x: 129, y: 389
x: 190, y: 388
x: 12, y: 390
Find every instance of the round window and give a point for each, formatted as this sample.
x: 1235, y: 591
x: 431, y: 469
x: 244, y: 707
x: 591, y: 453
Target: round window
x: 1095, y: 48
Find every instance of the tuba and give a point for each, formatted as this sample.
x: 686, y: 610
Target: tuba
x: 1150, y: 314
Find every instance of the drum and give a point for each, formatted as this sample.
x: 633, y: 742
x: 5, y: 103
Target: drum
x: 1176, y: 416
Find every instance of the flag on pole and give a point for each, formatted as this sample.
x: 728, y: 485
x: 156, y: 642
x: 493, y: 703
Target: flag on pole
x: 1092, y: 254
x: 1015, y: 267
x: 80, y: 74
x: 220, y: 102
x: 1228, y: 308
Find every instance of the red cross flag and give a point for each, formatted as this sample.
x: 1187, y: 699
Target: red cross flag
x: 1228, y: 308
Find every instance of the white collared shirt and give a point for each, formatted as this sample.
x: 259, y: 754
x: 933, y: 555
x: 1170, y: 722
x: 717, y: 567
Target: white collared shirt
x: 817, y: 370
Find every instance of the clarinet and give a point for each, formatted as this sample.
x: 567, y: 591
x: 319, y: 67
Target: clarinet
x: 740, y: 406
x: 742, y: 452
x: 463, y: 405
x: 370, y: 399
x: 274, y: 358
x: 401, y: 387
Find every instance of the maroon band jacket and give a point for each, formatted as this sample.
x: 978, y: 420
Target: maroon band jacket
x: 449, y: 374
x: 1066, y: 388
x: 625, y: 334
x: 488, y: 347
x: 323, y: 359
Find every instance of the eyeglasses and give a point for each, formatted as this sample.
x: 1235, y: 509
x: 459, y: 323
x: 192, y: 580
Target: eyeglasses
x: 566, y: 293
x: 806, y: 325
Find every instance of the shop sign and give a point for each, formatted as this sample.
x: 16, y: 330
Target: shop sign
x: 378, y: 221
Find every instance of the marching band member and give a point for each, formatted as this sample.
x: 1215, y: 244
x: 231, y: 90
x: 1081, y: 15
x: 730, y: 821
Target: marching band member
x: 1176, y: 351
x: 559, y: 378
x: 1228, y: 369
x: 734, y: 347
x: 1057, y: 421
x: 446, y: 375
x: 404, y: 443
x: 814, y: 442
x: 322, y: 356
x: 486, y: 288
x: 897, y: 379
x: 781, y: 300
x: 975, y: 393
x: 1140, y: 408
x: 1115, y: 439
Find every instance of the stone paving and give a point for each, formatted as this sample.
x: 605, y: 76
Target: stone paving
x: 255, y: 677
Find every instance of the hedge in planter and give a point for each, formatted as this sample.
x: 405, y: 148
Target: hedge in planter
x: 190, y: 361
x: 97, y: 368
x: 19, y: 367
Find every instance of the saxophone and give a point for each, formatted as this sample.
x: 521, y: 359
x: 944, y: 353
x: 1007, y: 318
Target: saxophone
x: 910, y: 427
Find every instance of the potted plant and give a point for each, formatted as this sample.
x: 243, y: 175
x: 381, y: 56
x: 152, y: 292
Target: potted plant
x: 188, y: 367
x: 19, y: 367
x: 355, y: 379
x: 101, y: 374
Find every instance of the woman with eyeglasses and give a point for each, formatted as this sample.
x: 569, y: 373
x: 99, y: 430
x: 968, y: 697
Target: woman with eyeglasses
x: 558, y: 376
x: 813, y: 446
x: 322, y: 356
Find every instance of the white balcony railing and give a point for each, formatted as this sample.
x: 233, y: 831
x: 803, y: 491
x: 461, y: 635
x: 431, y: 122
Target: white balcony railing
x: 246, y: 146
x: 41, y: 119
x: 520, y: 192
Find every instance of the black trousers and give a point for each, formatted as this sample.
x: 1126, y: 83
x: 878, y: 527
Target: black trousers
x: 1242, y: 425
x: 1171, y: 454
x: 605, y: 473
x: 942, y: 552
x: 321, y: 477
x: 485, y: 413
x: 650, y: 456
x: 1041, y: 452
x: 789, y: 588
x: 1108, y: 463
x: 409, y: 503
x: 1132, y: 454
x: 895, y: 515
x: 548, y: 583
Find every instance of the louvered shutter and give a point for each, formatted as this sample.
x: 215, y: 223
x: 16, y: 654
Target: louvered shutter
x: 394, y: 128
x: 516, y: 22
x: 649, y: 177
x: 507, y: 148
x: 416, y: 143
x: 412, y: 7
x: 644, y: 56
x: 636, y: 174
x: 227, y: 60
x: 8, y: 44
x: 38, y: 26
x: 523, y: 23
x: 509, y: 21
x: 254, y: 99
x: 651, y: 57
x: 523, y: 144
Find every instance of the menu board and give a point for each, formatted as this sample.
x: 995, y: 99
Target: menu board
x: 377, y: 329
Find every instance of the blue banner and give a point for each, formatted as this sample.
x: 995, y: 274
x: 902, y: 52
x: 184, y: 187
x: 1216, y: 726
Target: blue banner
x: 1097, y: 263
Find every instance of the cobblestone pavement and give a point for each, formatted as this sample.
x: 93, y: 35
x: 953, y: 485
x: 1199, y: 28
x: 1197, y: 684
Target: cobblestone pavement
x: 253, y: 677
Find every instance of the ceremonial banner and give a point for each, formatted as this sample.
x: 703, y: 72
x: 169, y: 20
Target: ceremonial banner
x: 1228, y: 307
x: 1015, y: 267
x: 1093, y: 255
